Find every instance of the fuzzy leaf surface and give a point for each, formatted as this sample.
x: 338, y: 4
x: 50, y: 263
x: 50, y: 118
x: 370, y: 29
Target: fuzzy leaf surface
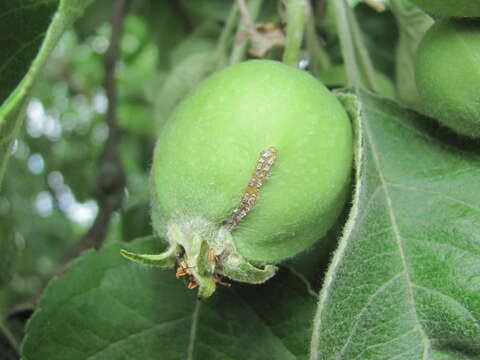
x: 404, y: 282
x: 109, y: 308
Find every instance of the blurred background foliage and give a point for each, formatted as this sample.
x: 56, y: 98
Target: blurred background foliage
x: 47, y: 202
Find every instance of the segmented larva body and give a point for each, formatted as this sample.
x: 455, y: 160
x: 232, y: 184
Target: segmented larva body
x: 260, y: 175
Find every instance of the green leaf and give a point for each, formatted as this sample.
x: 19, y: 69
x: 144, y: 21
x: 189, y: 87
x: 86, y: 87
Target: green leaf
x: 344, y: 27
x: 404, y: 282
x: 109, y: 308
x: 412, y: 24
x: 23, y: 27
x: 136, y: 221
x: 26, y: 55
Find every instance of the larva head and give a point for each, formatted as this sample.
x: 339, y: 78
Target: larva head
x: 447, y: 76
x: 254, y: 164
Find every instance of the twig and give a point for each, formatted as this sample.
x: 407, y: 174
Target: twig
x: 247, y: 24
x: 340, y: 9
x: 319, y: 59
x: 225, y: 35
x: 247, y: 19
x: 111, y: 177
x: 296, y: 10
x: 364, y: 57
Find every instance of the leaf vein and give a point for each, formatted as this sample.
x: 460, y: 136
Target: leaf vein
x: 398, y: 237
x: 193, y: 331
x: 362, y: 312
x: 439, y: 194
x: 451, y: 300
x: 453, y: 246
x: 385, y: 343
x: 143, y: 331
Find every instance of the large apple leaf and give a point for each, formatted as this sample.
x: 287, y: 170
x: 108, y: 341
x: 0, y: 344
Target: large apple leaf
x: 29, y: 31
x: 109, y: 308
x: 404, y: 282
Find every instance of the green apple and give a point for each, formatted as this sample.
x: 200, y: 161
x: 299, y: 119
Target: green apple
x: 251, y: 169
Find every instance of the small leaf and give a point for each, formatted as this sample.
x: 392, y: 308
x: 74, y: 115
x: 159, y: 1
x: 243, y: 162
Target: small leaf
x: 404, y: 282
x: 163, y: 260
x: 109, y: 308
x: 26, y: 55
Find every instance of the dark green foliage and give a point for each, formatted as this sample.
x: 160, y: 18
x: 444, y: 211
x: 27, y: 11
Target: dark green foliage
x: 22, y: 30
x: 139, y: 313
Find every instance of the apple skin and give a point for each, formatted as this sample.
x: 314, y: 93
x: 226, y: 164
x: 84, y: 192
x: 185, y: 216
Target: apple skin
x: 447, y: 74
x: 208, y: 149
